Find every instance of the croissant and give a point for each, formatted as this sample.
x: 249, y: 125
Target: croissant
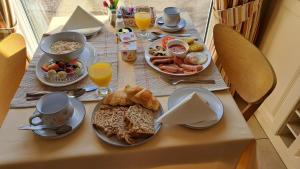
x: 117, y: 98
x: 131, y: 95
x: 132, y: 90
x: 143, y: 97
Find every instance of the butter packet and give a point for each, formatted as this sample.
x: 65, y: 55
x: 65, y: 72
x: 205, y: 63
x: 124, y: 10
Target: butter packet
x: 128, y: 37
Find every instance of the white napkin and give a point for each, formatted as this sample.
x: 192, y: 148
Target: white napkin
x: 190, y: 110
x: 83, y: 22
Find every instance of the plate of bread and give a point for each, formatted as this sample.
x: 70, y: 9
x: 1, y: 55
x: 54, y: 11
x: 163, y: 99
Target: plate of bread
x: 177, y: 56
x: 127, y: 117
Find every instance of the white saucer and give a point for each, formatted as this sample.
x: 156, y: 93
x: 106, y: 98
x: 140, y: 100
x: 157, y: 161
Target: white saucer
x: 213, y: 101
x: 74, y: 122
x: 181, y: 25
x: 87, y: 57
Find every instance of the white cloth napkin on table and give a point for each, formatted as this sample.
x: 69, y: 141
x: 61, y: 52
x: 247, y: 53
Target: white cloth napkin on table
x: 83, y: 22
x: 190, y: 110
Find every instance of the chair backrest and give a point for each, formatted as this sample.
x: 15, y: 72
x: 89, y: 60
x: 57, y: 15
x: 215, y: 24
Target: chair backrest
x: 12, y: 68
x: 249, y: 73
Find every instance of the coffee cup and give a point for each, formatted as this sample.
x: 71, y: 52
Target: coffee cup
x: 171, y: 16
x: 53, y: 110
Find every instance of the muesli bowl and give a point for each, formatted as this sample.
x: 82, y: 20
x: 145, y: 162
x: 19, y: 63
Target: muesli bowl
x: 65, y: 46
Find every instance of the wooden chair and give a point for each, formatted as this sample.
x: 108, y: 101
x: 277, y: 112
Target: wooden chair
x: 246, y: 70
x: 12, y: 68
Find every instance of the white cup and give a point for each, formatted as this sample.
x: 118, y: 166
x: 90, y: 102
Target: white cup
x: 53, y: 110
x: 171, y: 16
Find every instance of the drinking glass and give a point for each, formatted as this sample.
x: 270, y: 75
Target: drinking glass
x: 101, y: 74
x: 143, y: 21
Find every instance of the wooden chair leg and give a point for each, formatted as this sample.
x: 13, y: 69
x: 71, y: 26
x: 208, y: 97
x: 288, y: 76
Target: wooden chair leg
x: 249, y: 110
x: 248, y: 157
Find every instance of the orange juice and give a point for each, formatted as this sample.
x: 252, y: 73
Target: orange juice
x: 142, y: 20
x: 101, y: 74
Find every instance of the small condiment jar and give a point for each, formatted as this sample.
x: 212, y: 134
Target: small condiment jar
x: 128, y: 51
x: 120, y: 32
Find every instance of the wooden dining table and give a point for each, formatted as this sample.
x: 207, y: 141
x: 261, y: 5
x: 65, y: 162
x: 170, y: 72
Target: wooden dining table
x: 218, y: 147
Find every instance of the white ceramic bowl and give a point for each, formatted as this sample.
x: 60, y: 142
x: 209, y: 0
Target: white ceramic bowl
x: 46, y: 43
x: 177, y: 42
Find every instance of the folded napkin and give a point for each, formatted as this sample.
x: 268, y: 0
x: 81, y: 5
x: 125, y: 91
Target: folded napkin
x: 190, y: 110
x: 83, y: 22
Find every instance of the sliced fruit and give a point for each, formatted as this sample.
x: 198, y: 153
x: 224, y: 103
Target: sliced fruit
x: 69, y: 70
x: 78, y: 71
x: 45, y: 67
x: 53, y: 66
x: 61, y: 64
x: 51, y: 74
x: 78, y: 64
x: 165, y: 40
x: 73, y: 62
x: 62, y: 75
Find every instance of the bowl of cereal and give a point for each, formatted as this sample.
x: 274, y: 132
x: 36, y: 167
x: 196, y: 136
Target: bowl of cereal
x: 65, y: 46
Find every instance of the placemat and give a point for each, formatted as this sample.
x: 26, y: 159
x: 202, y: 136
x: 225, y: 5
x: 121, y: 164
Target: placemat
x: 106, y: 50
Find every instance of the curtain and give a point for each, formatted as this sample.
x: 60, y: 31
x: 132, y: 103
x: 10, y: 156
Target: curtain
x: 7, y: 19
x: 242, y: 15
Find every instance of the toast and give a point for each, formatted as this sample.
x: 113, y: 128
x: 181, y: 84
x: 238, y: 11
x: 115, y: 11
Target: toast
x: 110, y: 120
x: 140, y: 121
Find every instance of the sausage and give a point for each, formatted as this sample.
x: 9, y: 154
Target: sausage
x: 160, y: 57
x: 180, y: 70
x: 191, y: 67
x: 169, y: 69
x: 178, y: 60
x: 162, y: 61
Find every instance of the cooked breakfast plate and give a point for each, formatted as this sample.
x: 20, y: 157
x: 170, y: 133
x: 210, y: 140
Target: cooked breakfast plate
x: 124, y: 119
x: 177, y: 57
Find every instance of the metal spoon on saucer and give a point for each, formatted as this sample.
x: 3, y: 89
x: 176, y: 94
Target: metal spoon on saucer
x: 74, y: 93
x: 58, y: 130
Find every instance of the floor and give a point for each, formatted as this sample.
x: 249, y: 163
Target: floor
x: 266, y: 153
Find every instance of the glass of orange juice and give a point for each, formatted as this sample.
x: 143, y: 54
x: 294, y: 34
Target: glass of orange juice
x: 101, y: 74
x: 143, y: 21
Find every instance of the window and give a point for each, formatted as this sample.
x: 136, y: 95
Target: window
x: 38, y: 13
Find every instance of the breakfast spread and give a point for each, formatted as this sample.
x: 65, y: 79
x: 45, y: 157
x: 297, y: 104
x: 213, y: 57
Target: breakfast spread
x: 62, y: 47
x: 178, y: 56
x: 127, y: 114
x: 61, y: 70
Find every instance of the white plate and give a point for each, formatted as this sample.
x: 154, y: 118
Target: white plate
x: 116, y: 142
x: 213, y: 101
x: 87, y: 57
x: 74, y: 122
x: 181, y: 25
x: 158, y: 43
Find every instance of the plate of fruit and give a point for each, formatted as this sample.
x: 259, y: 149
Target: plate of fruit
x: 60, y: 73
x: 177, y: 56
